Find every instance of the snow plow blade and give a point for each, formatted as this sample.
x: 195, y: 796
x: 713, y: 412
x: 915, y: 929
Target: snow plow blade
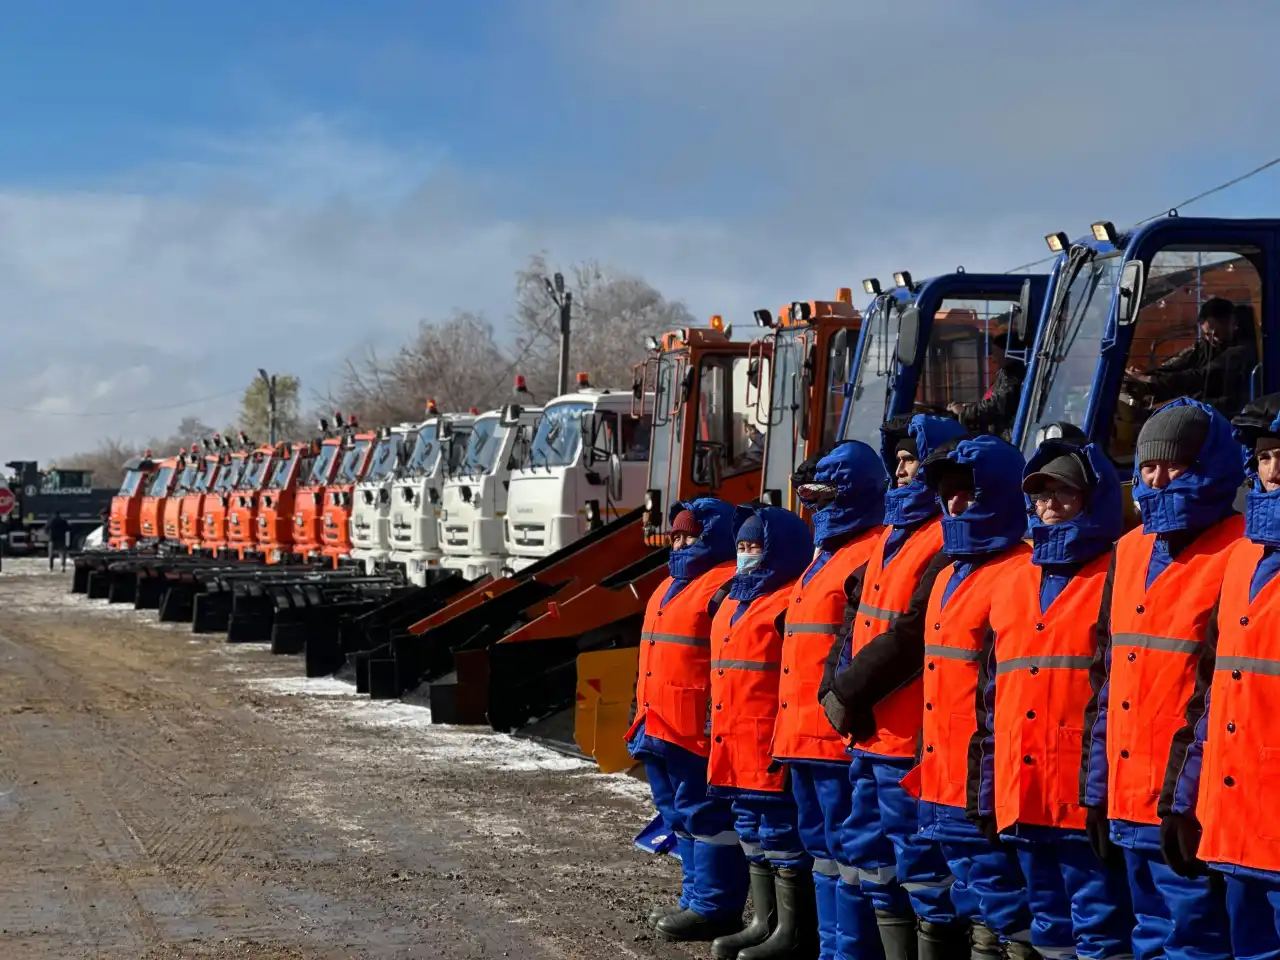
x: 602, y: 713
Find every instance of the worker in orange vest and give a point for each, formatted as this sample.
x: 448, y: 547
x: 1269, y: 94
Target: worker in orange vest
x: 774, y: 546
x: 1159, y: 597
x: 1045, y: 628
x: 872, y: 694
x: 1225, y: 769
x: 978, y: 482
x: 845, y: 498
x: 669, y: 733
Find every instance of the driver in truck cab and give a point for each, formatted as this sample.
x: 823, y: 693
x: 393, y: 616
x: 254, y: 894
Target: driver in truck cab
x: 1216, y: 369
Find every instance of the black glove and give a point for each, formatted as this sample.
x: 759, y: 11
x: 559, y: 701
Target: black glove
x: 986, y: 824
x: 1098, y: 827
x: 837, y: 715
x: 1179, y: 841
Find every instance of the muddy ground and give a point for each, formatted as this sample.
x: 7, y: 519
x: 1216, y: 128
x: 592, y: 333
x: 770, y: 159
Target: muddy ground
x: 164, y: 795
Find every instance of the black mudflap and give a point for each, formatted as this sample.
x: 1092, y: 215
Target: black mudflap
x: 123, y: 586
x: 178, y: 602
x: 212, y: 612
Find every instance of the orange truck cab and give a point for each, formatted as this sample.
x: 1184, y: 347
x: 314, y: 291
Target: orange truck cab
x: 242, y: 505
x: 124, y: 524
x: 189, y: 519
x: 189, y: 467
x: 308, y: 505
x: 336, y: 521
x: 273, y: 535
x: 217, y: 501
x: 159, y: 489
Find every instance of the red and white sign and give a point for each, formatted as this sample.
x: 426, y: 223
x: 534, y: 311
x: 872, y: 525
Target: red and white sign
x: 7, y: 501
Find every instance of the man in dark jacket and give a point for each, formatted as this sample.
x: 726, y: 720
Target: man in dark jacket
x: 1215, y: 369
x: 995, y: 412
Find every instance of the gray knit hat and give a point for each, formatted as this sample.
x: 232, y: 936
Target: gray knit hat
x: 1175, y: 434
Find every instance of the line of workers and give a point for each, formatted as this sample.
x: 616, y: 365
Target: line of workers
x: 915, y: 734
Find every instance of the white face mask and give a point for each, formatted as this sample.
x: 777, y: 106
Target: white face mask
x: 749, y: 561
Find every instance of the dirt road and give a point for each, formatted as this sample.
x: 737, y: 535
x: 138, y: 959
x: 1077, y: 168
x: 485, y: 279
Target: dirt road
x: 169, y: 796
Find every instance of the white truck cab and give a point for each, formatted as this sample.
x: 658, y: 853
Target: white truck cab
x: 414, y: 511
x: 371, y: 500
x: 473, y: 503
x: 587, y: 464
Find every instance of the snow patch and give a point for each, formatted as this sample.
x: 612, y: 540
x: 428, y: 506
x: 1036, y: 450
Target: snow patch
x: 299, y: 686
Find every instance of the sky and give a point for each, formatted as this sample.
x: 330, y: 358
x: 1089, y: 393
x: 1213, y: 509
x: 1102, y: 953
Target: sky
x: 191, y: 191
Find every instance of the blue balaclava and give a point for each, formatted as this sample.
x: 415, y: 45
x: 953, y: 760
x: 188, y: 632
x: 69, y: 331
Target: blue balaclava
x: 788, y: 548
x: 905, y: 506
x: 847, y: 493
x: 996, y: 519
x: 715, y: 544
x: 1258, y: 427
x: 1193, y: 433
x: 1100, y: 522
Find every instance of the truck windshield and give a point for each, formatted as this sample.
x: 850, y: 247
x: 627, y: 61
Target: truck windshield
x: 352, y: 461
x: 206, y: 478
x: 252, y: 477
x: 187, y: 477
x: 1070, y: 347
x: 788, y: 403
x: 160, y: 483
x: 482, y: 448
x: 559, y: 435
x: 230, y: 475
x: 459, y: 440
x: 323, y: 465
x: 874, y: 378
x: 129, y: 486
x: 426, y: 452
x: 281, y: 470
x: 384, y: 458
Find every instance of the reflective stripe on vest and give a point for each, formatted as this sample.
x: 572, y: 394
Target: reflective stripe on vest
x: 744, y: 693
x: 954, y: 648
x: 675, y: 653
x: 1240, y: 773
x: 1042, y: 692
x: 815, y: 617
x: 886, y: 594
x: 1155, y: 649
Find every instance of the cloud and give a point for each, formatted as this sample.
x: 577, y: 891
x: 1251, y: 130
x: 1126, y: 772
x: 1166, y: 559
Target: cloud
x: 735, y: 155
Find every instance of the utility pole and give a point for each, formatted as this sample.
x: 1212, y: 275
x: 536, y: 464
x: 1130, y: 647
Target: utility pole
x: 563, y: 299
x: 270, y: 381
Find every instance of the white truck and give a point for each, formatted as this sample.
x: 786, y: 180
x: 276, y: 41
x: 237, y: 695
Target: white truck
x: 587, y: 464
x: 414, y: 511
x: 371, y: 500
x: 473, y: 503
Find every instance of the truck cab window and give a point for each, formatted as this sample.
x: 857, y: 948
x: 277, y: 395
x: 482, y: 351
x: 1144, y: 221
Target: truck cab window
x: 733, y: 411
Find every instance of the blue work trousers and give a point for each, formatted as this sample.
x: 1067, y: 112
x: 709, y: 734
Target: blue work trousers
x: 767, y: 828
x: 846, y: 920
x: 1176, y: 918
x: 1253, y: 911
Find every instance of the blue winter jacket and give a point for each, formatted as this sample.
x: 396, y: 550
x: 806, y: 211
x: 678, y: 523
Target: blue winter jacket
x: 858, y: 474
x: 788, y: 548
x: 915, y: 503
x: 714, y: 547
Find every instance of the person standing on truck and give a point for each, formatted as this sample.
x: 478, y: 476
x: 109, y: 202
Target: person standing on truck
x: 845, y: 497
x: 1218, y: 803
x: 774, y: 547
x: 1045, y: 628
x: 1216, y: 369
x: 996, y: 411
x: 1159, y: 600
x: 871, y: 693
x: 669, y: 732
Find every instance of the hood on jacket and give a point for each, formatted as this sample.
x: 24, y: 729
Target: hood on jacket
x: 857, y: 474
x: 788, y: 549
x: 1260, y: 417
x: 714, y: 547
x: 904, y: 506
x: 1204, y: 494
x: 996, y: 519
x: 1099, y: 524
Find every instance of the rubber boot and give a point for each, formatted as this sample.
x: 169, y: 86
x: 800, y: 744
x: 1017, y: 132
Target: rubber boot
x: 796, y: 934
x: 1017, y: 950
x: 942, y: 941
x: 983, y: 943
x: 660, y: 910
x: 689, y: 925
x: 684, y: 844
x: 898, y: 935
x: 764, y: 903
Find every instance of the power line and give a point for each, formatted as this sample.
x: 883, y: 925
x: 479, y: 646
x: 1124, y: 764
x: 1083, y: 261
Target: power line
x: 542, y: 331
x: 1178, y: 206
x: 118, y: 413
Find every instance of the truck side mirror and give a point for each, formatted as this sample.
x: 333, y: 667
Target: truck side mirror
x: 909, y: 334
x: 1021, y: 317
x: 615, y: 476
x: 1129, y: 294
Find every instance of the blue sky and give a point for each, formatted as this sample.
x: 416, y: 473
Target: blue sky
x: 188, y: 191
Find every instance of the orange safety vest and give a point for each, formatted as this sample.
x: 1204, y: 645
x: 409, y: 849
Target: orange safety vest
x: 1155, y: 648
x: 1240, y: 775
x: 1042, y: 691
x: 886, y: 594
x: 675, y: 660
x: 746, y: 662
x: 953, y: 648
x: 815, y: 617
